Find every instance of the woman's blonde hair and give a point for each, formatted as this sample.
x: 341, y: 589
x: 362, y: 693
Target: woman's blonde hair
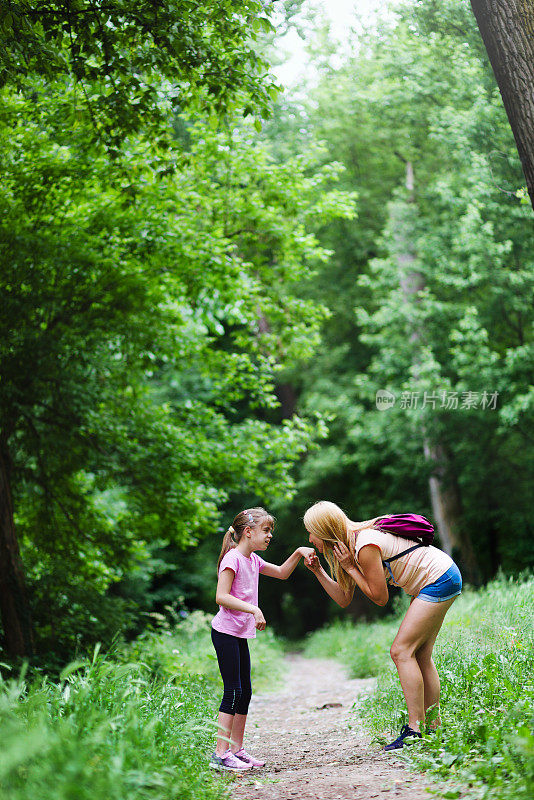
x: 329, y: 523
x: 249, y: 517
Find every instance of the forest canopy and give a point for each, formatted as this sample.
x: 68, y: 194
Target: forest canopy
x: 200, y: 307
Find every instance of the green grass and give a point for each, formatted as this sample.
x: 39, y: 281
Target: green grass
x: 485, y: 658
x: 186, y: 648
x: 136, y: 726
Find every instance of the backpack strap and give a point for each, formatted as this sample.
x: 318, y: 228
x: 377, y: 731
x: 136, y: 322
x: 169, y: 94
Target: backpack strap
x: 404, y: 553
x: 387, y: 561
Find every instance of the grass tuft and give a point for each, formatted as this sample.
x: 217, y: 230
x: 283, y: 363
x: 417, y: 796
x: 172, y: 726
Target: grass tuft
x: 485, y: 658
x: 138, y: 727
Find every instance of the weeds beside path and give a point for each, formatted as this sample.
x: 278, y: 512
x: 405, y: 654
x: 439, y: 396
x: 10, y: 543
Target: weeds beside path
x: 314, y: 747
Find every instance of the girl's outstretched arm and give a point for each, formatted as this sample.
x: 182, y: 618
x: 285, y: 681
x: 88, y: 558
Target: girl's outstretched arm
x: 284, y: 570
x: 331, y: 587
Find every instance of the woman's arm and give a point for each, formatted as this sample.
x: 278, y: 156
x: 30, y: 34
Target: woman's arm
x: 331, y: 587
x: 369, y: 575
x: 284, y: 570
x: 224, y: 598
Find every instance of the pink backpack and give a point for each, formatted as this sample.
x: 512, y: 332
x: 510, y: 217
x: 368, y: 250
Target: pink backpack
x: 409, y: 526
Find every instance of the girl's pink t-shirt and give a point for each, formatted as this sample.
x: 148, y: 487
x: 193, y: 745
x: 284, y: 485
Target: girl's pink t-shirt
x: 244, y: 587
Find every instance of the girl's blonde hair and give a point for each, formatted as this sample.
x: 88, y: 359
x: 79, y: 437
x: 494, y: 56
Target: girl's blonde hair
x: 329, y: 523
x: 249, y: 517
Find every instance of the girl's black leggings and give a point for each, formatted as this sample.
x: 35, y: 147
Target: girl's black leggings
x: 234, y: 663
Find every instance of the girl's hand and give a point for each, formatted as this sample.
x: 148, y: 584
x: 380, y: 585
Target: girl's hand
x: 343, y: 556
x: 312, y: 562
x: 259, y: 620
x: 305, y: 552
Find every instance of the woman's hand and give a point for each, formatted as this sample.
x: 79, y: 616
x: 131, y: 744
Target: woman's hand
x: 344, y: 556
x: 312, y: 561
x: 259, y: 619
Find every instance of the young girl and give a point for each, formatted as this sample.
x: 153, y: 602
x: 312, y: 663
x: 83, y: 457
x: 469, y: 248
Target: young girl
x: 238, y: 618
x: 356, y: 553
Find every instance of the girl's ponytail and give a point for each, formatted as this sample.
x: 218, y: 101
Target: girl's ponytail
x: 250, y: 517
x: 228, y: 544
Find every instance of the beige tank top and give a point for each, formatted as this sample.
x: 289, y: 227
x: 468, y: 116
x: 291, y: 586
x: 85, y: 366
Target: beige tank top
x: 411, y: 572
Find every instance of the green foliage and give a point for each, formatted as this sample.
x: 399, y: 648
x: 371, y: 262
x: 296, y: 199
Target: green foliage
x: 135, y: 63
x: 137, y: 725
x: 468, y: 328
x: 168, y: 271
x: 146, y: 319
x: 178, y: 650
x: 107, y: 730
x: 416, y: 86
x: 357, y: 646
x: 485, y: 658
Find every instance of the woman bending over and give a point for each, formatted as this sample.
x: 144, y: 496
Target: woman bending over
x: 357, y: 554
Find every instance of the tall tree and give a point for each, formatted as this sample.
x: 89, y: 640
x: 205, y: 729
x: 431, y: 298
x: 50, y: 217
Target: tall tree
x: 90, y: 299
x: 443, y: 483
x: 507, y: 28
x: 419, y: 84
x: 137, y: 388
x: 14, y: 606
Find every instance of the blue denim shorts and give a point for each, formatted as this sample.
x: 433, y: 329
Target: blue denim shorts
x: 446, y: 587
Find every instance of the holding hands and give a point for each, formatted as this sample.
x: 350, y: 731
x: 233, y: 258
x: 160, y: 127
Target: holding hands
x: 283, y: 572
x: 341, y: 553
x: 311, y: 561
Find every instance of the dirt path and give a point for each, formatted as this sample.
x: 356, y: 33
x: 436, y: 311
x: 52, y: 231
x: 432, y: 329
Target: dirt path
x: 314, y: 746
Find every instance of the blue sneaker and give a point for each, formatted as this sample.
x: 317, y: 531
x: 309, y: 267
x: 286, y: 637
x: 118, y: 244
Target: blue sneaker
x: 400, y: 741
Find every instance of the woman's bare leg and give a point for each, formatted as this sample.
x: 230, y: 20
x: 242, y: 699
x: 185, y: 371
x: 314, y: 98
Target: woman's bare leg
x: 431, y: 680
x: 420, y: 626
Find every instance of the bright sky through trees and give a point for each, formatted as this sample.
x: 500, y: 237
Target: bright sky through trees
x: 342, y: 14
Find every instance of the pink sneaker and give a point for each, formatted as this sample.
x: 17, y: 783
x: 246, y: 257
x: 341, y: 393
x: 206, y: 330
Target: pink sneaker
x: 229, y: 762
x: 248, y: 759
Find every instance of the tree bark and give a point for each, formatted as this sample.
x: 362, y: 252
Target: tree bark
x: 287, y: 398
x: 507, y: 29
x: 444, y: 490
x: 14, y: 605
x: 447, y: 510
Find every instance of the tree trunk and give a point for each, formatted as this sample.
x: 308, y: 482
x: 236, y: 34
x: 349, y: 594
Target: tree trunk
x: 447, y: 511
x: 444, y: 490
x: 287, y: 398
x: 446, y: 506
x: 507, y: 29
x: 14, y: 606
